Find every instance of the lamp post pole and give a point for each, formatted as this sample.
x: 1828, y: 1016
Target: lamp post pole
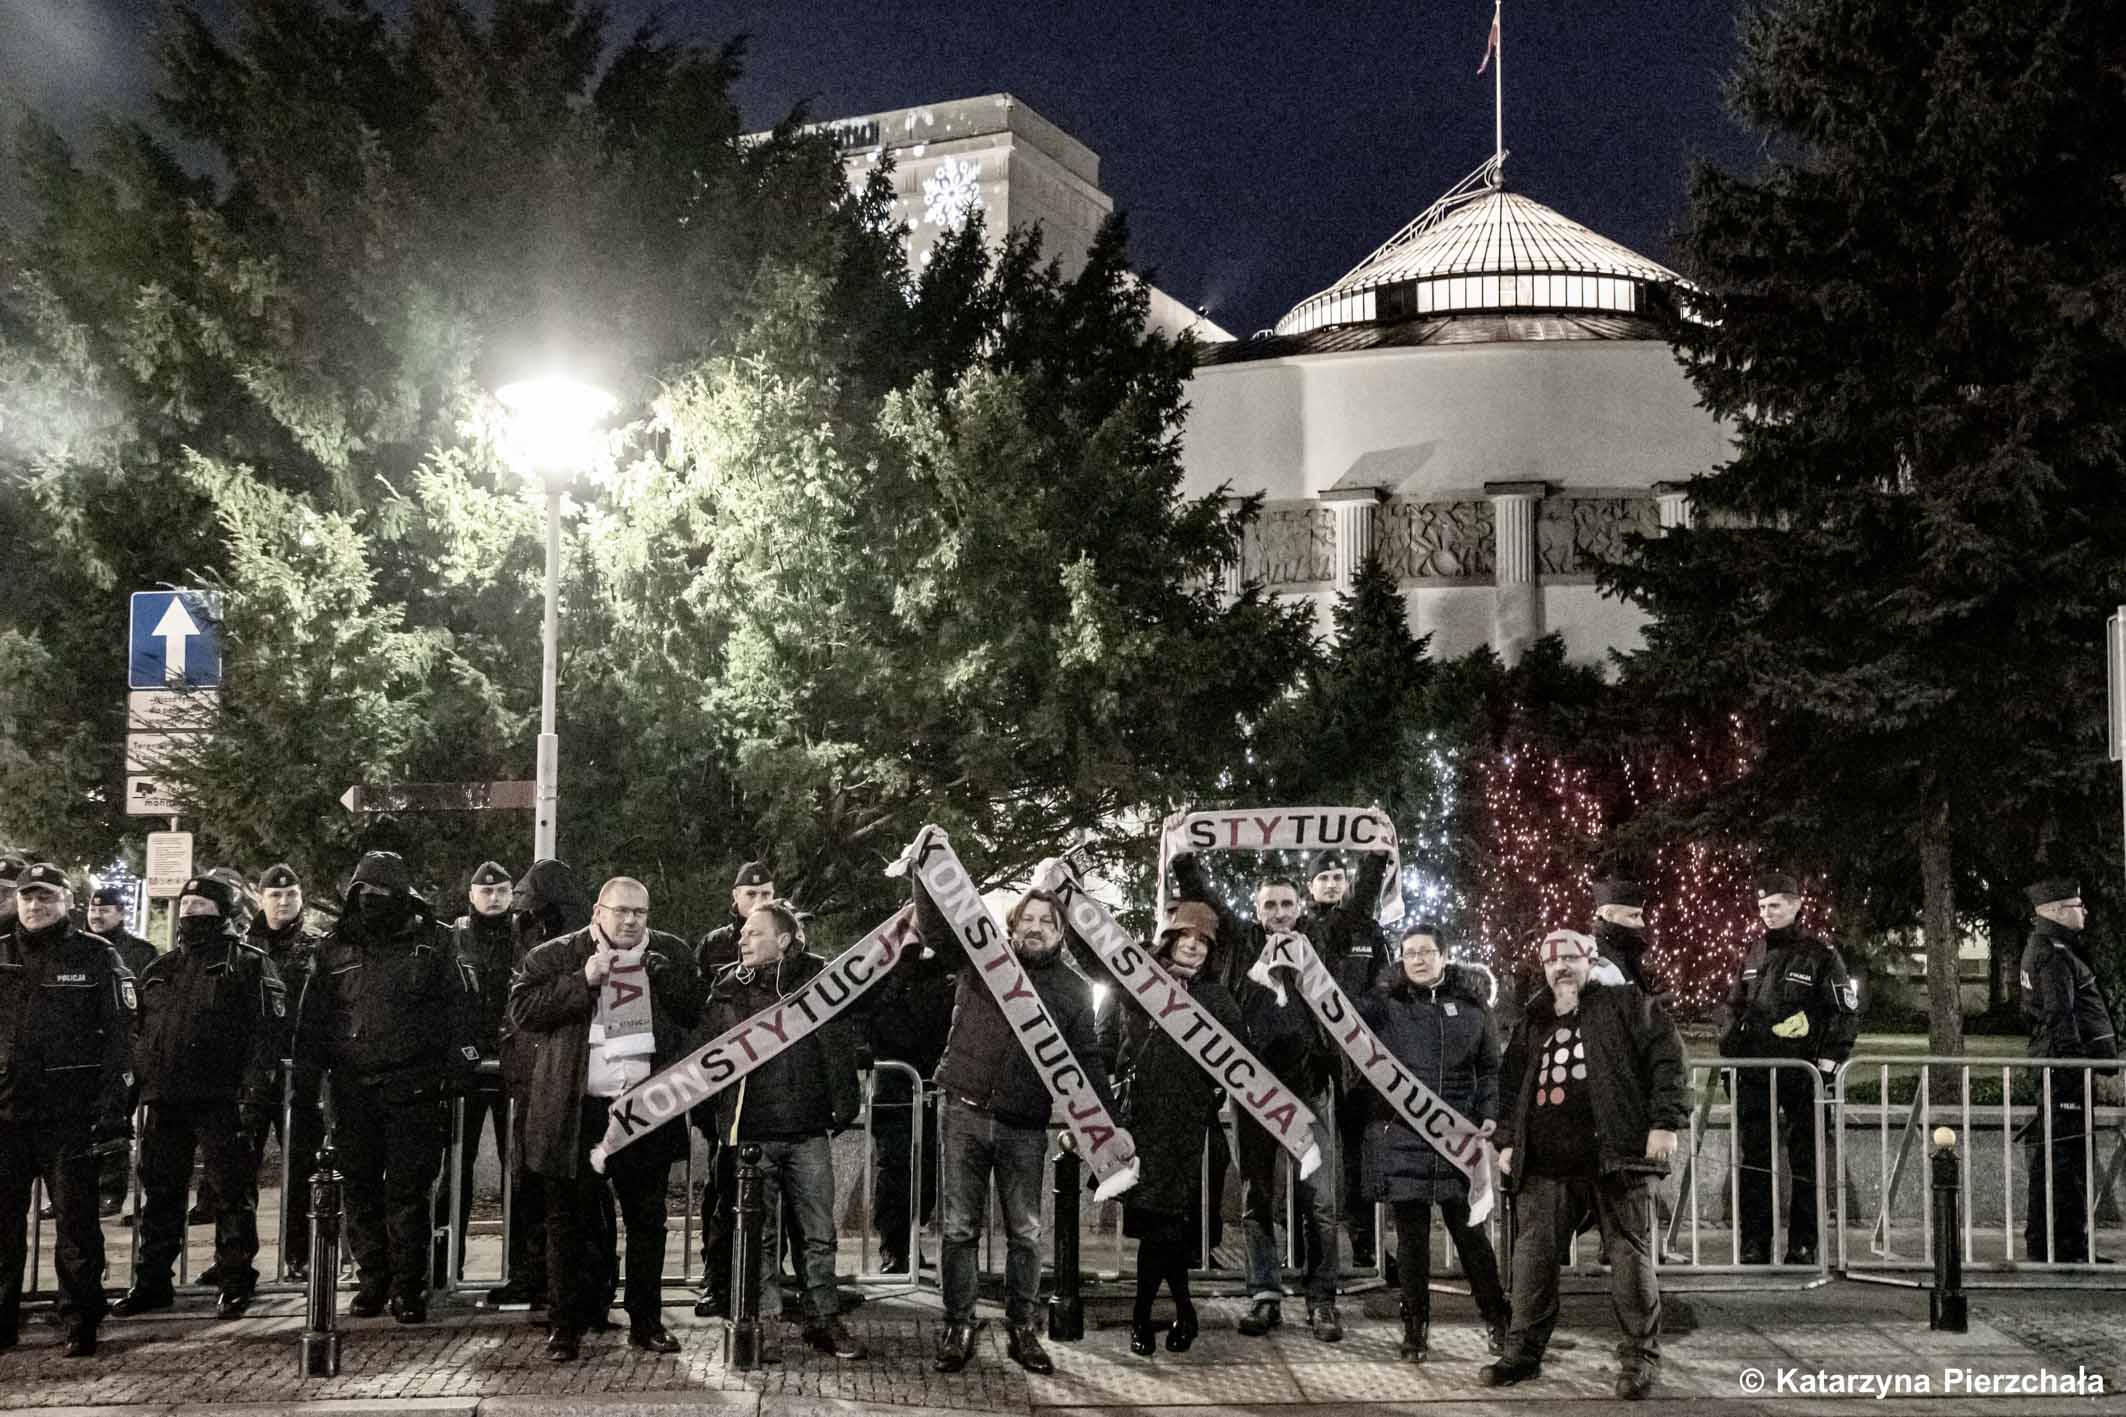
x: 549, y: 771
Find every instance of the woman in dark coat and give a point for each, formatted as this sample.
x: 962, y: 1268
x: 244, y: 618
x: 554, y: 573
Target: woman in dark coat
x: 1435, y: 1018
x: 1169, y: 1105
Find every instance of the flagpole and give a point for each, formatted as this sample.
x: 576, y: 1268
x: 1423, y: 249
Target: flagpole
x: 1498, y: 90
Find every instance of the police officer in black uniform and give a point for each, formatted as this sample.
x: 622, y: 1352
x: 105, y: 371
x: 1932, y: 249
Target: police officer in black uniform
x: 278, y: 931
x: 213, y: 1025
x: 485, y: 942
x: 66, y: 1029
x: 1793, y: 999
x: 107, y: 912
x: 391, y: 1014
x: 2068, y: 1018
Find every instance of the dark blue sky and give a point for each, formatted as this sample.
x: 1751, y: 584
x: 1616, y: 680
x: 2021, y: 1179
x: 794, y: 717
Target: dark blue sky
x: 1259, y: 149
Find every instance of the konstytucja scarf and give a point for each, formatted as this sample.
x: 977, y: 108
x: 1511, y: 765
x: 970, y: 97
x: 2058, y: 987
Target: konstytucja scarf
x: 1464, y: 1143
x: 1225, y: 1058
x: 667, y: 1095
x: 1288, y: 829
x: 1106, y: 1147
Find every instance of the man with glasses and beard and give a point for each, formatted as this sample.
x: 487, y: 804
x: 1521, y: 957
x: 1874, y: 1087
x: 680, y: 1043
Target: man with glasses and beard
x: 1593, y: 1092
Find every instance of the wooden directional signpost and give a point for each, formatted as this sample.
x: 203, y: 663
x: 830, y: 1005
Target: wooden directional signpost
x: 442, y: 797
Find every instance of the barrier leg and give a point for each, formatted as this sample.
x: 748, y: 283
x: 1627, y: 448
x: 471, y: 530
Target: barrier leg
x: 741, y: 1338
x: 1066, y: 1307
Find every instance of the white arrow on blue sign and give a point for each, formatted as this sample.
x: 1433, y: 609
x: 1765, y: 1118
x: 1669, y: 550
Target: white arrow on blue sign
x: 175, y: 641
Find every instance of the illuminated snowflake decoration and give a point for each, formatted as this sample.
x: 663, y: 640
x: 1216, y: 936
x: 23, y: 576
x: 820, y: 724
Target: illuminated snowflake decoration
x: 952, y: 192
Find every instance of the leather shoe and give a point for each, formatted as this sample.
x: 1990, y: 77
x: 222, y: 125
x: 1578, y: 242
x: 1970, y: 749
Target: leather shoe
x: 299, y: 1271
x: 81, y: 1341
x: 1756, y: 1254
x: 1802, y: 1255
x: 1142, y: 1340
x: 1634, y: 1382
x: 1024, y: 1347
x: 143, y: 1301
x: 562, y: 1345
x: 652, y: 1340
x: 1508, y: 1371
x: 713, y: 1306
x: 366, y: 1304
x: 1182, y: 1336
x: 410, y: 1310
x: 232, y: 1303
x: 1259, y: 1320
x: 1327, y: 1324
x: 955, y: 1347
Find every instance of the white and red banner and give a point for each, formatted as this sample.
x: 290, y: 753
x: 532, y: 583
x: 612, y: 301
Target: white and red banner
x: 1308, y: 829
x: 1214, y: 1049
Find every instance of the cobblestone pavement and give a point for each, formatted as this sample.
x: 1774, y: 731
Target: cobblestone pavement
x: 1841, y: 1329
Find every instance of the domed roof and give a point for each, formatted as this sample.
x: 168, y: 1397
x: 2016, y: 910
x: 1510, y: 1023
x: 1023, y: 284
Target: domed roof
x: 1483, y: 249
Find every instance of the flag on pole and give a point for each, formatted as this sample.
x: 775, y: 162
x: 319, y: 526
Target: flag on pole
x: 1491, y: 45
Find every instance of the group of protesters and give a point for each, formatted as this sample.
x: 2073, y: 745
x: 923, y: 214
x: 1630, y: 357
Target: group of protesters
x: 575, y: 1005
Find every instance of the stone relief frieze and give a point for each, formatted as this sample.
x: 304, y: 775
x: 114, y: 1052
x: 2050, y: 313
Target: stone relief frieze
x: 1575, y: 535
x: 1290, y: 546
x: 1439, y: 541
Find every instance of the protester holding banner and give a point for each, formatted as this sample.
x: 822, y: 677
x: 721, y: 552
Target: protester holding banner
x: 1435, y: 1017
x: 608, y: 1005
x: 791, y: 1106
x: 994, y: 1113
x: 1339, y: 919
x: 1595, y: 1092
x: 1169, y: 1104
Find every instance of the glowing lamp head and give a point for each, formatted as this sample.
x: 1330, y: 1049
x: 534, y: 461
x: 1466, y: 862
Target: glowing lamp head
x: 551, y: 433
x: 1944, y: 1137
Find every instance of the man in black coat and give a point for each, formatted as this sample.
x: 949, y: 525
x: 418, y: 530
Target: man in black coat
x: 66, y: 1029
x: 791, y: 1106
x: 214, y: 1022
x: 1594, y: 1090
x: 1620, y: 934
x: 278, y: 931
x: 391, y: 1014
x: 2068, y: 1018
x: 1792, y: 999
x: 485, y: 940
x: 581, y: 997
x: 908, y: 1018
x: 107, y: 912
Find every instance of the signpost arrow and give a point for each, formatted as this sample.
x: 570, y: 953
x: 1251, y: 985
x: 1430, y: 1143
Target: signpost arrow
x: 442, y: 797
x: 174, y: 628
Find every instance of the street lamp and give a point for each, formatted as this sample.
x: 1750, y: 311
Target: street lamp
x: 549, y: 437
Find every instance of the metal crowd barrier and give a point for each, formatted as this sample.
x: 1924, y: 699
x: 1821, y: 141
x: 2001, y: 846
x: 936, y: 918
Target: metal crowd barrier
x: 2027, y: 1109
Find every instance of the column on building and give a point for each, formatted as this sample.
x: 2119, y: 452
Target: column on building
x: 1673, y: 502
x: 1517, y: 590
x: 1237, y: 560
x: 1357, y: 511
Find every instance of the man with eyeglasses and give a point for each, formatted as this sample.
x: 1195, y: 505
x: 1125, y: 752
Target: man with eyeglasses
x: 609, y: 1005
x: 1592, y: 1092
x: 2068, y: 1018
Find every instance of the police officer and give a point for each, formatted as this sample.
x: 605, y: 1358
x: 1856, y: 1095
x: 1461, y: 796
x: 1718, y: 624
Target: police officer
x: 12, y: 865
x: 278, y: 930
x: 1620, y: 934
x: 2068, y: 1019
x: 66, y: 1027
x: 485, y: 943
x: 391, y: 1014
x: 213, y: 1025
x: 1793, y: 999
x: 107, y: 912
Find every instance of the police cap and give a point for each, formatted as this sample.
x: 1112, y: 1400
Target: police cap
x: 1777, y: 883
x: 42, y: 875
x: 754, y: 873
x: 2048, y: 892
x: 216, y: 889
x: 278, y: 877
x: 490, y: 873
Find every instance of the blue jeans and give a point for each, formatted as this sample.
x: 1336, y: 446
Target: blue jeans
x: 977, y: 1144
x: 800, y: 1172
x: 1320, y: 1208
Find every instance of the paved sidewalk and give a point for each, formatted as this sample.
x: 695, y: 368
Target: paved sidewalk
x: 481, y: 1365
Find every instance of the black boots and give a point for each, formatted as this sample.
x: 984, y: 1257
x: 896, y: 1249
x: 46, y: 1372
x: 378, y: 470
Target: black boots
x: 1417, y: 1336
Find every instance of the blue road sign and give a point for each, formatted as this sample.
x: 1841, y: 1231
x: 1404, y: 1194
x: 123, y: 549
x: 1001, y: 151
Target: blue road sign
x: 175, y: 642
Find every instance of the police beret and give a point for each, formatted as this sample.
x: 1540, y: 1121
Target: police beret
x: 44, y: 873
x: 214, y: 888
x: 12, y: 866
x: 1325, y: 861
x: 1777, y: 883
x: 1618, y: 891
x: 279, y: 877
x: 754, y: 873
x: 490, y: 874
x: 2056, y: 889
x: 107, y: 895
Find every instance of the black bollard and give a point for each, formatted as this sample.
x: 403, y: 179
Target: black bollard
x: 1066, y: 1307
x: 742, y: 1336
x: 321, y: 1339
x: 1946, y: 1307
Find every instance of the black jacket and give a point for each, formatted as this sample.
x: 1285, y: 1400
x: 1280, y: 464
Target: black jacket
x: 719, y: 948
x: 1164, y: 1097
x: 1443, y: 1034
x: 293, y: 950
x: 983, y: 1065
x: 487, y: 944
x: 1635, y: 1062
x: 66, y: 1026
x: 807, y: 1089
x: 2065, y: 1009
x: 550, y: 903
x: 553, y: 1004
x: 214, y: 1022
x: 133, y: 952
x: 1626, y: 949
x: 1789, y: 974
x: 397, y: 1013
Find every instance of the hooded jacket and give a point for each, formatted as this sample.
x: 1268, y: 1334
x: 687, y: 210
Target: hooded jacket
x: 1635, y: 1063
x: 214, y: 1022
x: 66, y: 1026
x: 2061, y: 1001
x: 552, y: 1004
x: 808, y: 1089
x: 549, y: 903
x: 1444, y: 1035
x: 390, y: 1008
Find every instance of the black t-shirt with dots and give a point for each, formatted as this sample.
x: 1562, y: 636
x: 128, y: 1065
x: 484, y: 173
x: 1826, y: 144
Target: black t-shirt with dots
x: 1561, y: 1122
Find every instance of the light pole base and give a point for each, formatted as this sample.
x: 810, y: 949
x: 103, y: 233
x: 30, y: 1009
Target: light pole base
x: 321, y: 1355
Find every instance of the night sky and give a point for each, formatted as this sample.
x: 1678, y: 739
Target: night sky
x: 1260, y: 150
